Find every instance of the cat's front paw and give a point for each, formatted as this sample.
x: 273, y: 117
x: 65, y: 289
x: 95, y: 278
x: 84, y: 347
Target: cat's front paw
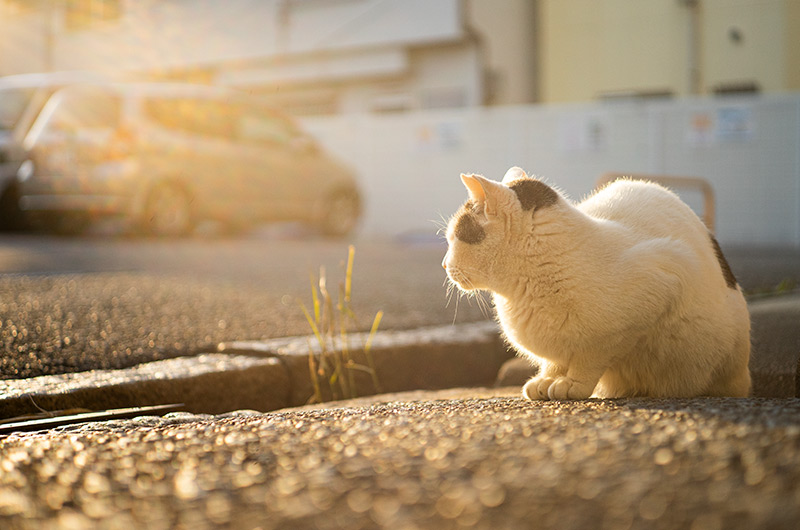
x: 567, y: 388
x: 536, y: 388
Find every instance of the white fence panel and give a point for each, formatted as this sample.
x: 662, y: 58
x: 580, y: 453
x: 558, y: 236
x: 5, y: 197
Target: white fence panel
x: 749, y: 149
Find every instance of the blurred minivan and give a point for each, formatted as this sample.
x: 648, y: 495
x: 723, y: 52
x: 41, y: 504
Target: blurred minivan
x: 167, y: 156
x: 22, y: 98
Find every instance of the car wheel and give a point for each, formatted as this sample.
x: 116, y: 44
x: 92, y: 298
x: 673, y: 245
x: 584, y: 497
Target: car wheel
x: 168, y: 212
x: 342, y: 211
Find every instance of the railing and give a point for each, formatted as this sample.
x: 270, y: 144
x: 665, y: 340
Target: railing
x: 670, y: 181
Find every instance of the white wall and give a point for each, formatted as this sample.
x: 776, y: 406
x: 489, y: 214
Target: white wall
x: 23, y: 41
x: 749, y: 149
x: 164, y: 35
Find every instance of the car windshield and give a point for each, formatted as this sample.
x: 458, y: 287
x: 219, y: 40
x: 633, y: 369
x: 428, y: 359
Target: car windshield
x: 13, y: 102
x: 85, y: 108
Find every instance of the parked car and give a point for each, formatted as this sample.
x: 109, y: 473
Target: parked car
x: 166, y: 156
x: 22, y: 98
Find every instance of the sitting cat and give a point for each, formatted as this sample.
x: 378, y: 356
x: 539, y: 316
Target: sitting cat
x: 624, y: 294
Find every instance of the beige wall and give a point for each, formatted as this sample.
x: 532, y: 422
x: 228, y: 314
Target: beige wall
x: 759, y: 56
x: 593, y: 46
x: 792, y: 39
x: 23, y: 36
x: 590, y: 47
x: 507, y: 33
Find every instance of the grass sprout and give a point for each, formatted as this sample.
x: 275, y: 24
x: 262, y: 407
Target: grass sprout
x: 333, y: 362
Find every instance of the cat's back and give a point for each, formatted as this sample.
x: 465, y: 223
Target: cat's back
x: 644, y: 208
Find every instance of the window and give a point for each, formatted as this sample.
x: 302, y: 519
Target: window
x: 195, y: 116
x: 259, y: 125
x: 86, y: 108
x: 13, y: 102
x: 81, y: 14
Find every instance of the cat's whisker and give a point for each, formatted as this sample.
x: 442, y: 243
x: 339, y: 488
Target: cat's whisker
x: 441, y: 225
x: 477, y: 295
x: 450, y: 291
x: 455, y: 313
x: 483, y: 305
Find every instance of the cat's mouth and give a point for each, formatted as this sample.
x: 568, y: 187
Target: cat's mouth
x: 460, y: 279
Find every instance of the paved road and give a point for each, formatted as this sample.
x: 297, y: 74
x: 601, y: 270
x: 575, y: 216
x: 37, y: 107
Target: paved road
x: 482, y: 459
x: 74, y: 304
x: 426, y: 460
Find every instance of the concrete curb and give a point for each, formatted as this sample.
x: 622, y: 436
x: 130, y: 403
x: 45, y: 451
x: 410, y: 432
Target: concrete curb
x: 425, y: 358
x: 210, y: 382
x: 267, y: 375
x: 775, y: 335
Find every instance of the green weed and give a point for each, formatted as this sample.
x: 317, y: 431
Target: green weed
x: 786, y: 286
x: 332, y: 364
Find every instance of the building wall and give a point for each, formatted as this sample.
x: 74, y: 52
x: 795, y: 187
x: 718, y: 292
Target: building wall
x: 792, y: 43
x: 323, y: 55
x: 507, y: 33
x: 588, y: 48
x: 172, y: 35
x: 22, y: 40
x: 311, y: 57
x: 442, y: 76
x: 757, y: 54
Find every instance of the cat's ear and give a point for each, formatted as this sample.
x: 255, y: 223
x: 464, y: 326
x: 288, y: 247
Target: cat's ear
x: 474, y: 187
x: 482, y: 190
x: 513, y: 174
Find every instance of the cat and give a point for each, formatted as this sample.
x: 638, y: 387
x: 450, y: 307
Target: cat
x: 624, y: 294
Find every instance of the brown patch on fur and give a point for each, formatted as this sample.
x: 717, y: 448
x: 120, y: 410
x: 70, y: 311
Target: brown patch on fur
x: 533, y: 194
x: 730, y: 279
x: 468, y: 229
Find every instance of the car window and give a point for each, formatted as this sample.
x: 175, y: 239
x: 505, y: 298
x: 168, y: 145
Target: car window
x: 260, y: 125
x: 13, y: 102
x: 190, y: 115
x: 84, y: 109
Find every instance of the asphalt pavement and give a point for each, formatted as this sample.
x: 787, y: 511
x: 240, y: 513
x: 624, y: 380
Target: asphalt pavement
x: 70, y: 305
x: 76, y: 304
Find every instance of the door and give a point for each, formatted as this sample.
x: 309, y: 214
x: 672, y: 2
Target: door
x: 69, y: 139
x: 278, y: 162
x: 193, y: 143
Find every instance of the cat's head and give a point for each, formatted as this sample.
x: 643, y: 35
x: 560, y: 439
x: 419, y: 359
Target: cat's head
x: 493, y: 228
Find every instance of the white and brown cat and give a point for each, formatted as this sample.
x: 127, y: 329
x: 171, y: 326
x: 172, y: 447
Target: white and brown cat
x: 623, y: 294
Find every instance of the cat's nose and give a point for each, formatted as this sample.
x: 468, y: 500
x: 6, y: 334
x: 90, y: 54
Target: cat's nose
x: 444, y: 263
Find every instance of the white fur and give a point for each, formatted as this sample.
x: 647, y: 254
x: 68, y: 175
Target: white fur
x: 620, y: 295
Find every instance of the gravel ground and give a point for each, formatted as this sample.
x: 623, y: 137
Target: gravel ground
x: 425, y: 460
